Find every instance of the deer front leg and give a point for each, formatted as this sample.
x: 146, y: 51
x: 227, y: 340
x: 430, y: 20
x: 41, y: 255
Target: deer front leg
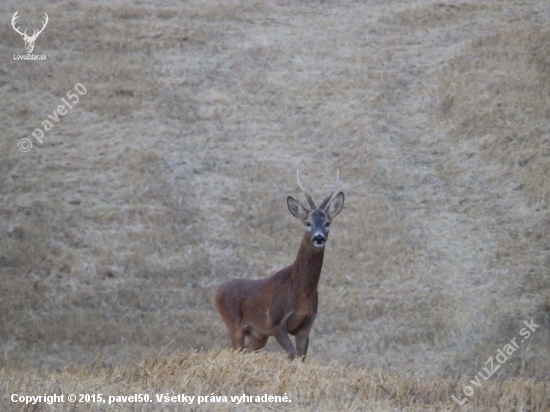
x: 282, y: 337
x: 302, y: 337
x: 302, y: 343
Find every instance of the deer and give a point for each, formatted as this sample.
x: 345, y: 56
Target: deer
x: 29, y: 40
x: 285, y: 303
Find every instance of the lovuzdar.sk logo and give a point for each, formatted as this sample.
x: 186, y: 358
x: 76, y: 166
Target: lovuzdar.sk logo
x: 29, y: 40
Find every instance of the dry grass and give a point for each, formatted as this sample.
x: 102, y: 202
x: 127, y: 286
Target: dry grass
x: 310, y: 386
x: 170, y: 177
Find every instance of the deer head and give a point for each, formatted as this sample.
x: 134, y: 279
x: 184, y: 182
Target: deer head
x: 317, y: 220
x: 29, y: 40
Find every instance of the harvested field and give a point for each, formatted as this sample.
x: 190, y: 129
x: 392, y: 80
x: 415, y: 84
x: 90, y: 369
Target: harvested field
x: 170, y: 176
x: 226, y: 380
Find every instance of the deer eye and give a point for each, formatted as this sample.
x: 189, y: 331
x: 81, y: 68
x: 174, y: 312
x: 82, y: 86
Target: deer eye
x: 327, y: 224
x: 308, y: 224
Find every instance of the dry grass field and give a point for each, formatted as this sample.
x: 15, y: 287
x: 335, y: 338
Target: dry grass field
x: 310, y: 386
x: 170, y: 176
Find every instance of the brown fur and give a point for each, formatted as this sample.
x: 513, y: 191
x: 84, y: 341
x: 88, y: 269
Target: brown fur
x: 285, y: 303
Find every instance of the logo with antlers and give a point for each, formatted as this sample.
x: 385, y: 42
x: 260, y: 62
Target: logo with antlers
x: 29, y: 40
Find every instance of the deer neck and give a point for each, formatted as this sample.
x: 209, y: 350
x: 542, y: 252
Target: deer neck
x: 306, y: 269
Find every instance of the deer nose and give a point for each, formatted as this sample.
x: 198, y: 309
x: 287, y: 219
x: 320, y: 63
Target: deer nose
x: 319, y: 240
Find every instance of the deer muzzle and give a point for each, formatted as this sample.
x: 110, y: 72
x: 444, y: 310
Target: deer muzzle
x: 319, y: 240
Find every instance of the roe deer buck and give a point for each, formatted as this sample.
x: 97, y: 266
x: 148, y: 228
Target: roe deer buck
x: 287, y: 301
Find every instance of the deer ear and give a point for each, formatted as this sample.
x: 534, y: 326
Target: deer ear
x: 296, y: 208
x: 335, y: 206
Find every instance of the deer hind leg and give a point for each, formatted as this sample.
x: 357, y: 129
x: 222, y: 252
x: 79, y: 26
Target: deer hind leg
x: 256, y: 341
x: 237, y: 338
x: 230, y: 313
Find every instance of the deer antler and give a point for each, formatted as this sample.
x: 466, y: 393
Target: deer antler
x: 15, y: 17
x: 35, y: 32
x: 327, y: 199
x: 308, y: 197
